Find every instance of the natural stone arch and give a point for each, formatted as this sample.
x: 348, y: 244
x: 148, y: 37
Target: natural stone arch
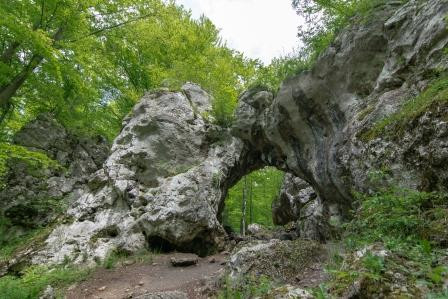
x: 164, y: 182
x: 311, y: 129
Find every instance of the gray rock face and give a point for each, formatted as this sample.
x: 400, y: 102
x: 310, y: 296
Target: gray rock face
x: 33, y: 197
x: 298, y: 202
x: 312, y: 128
x: 163, y: 184
x: 295, y: 194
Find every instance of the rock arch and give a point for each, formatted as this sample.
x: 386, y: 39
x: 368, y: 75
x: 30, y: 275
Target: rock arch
x: 170, y: 167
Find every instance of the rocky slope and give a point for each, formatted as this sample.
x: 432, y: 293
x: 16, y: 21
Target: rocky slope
x: 26, y: 198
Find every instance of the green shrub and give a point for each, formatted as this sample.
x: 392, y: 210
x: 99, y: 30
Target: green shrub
x: 34, y: 160
x: 35, y: 279
x: 401, y: 222
x: 12, y: 242
x: 396, y: 214
x: 252, y: 287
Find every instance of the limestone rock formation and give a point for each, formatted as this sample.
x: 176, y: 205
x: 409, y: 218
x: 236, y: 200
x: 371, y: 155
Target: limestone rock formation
x: 313, y: 128
x: 33, y: 198
x: 298, y: 202
x: 163, y: 184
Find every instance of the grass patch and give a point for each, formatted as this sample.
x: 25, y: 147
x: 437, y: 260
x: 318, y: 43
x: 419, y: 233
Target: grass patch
x: 120, y: 258
x: 252, y: 288
x: 395, y: 124
x: 35, y: 279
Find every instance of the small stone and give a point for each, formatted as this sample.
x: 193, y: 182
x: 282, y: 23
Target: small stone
x: 184, y: 261
x: 212, y: 260
x: 48, y: 293
x: 141, y: 283
x: 102, y: 288
x: 128, y: 262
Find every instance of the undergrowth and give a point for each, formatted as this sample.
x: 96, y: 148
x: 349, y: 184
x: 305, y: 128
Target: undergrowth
x: 119, y: 258
x: 36, y: 278
x: 252, y: 288
x: 396, y: 246
x: 33, y: 159
x: 12, y: 242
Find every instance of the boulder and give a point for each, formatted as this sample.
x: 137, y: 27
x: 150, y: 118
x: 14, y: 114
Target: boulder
x: 254, y: 228
x: 184, y: 260
x: 298, y: 202
x: 289, y: 292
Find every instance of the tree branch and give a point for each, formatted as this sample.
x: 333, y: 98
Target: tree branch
x: 42, y: 8
x: 9, y: 52
x: 107, y: 28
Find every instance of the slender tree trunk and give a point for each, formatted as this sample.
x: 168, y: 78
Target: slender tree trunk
x: 243, y: 209
x: 9, y: 52
x: 9, y: 90
x: 251, y: 203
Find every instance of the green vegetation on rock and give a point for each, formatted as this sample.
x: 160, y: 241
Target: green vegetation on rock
x: 326, y: 18
x: 33, y: 159
x: 433, y: 97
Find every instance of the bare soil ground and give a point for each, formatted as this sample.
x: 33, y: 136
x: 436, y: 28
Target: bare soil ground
x: 155, y: 276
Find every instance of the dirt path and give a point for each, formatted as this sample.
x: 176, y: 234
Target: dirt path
x: 157, y: 276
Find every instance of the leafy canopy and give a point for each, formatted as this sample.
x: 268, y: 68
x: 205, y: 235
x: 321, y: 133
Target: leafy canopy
x: 88, y: 62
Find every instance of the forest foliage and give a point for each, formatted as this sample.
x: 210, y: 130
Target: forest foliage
x: 258, y: 190
x: 88, y: 62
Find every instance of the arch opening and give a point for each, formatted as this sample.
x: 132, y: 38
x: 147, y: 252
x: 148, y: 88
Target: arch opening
x: 249, y: 200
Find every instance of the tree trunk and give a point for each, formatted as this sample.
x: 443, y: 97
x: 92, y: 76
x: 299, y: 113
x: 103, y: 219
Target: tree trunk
x: 251, y: 203
x: 9, y: 90
x: 243, y: 209
x: 9, y: 52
